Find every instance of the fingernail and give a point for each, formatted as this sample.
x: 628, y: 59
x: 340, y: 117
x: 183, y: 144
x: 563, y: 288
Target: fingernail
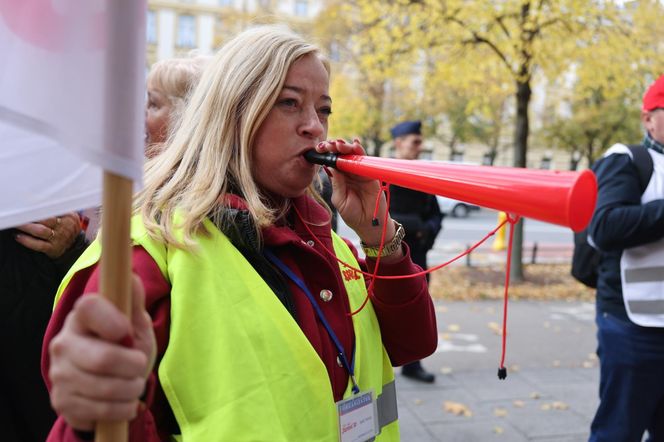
x: 339, y: 140
x: 320, y: 145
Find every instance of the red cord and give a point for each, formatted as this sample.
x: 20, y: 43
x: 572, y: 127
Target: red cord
x: 512, y: 222
x: 373, y: 276
x: 410, y: 275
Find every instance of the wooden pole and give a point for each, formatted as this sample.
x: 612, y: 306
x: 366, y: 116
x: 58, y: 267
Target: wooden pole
x: 116, y: 269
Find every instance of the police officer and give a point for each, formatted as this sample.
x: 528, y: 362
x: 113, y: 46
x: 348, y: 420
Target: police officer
x: 418, y: 212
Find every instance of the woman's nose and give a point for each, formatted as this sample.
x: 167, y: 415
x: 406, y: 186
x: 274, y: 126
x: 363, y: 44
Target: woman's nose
x: 311, y: 125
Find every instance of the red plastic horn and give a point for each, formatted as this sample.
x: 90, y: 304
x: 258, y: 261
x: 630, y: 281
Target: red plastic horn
x: 557, y: 197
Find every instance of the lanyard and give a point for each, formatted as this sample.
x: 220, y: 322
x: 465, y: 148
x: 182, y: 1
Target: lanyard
x: 340, y: 350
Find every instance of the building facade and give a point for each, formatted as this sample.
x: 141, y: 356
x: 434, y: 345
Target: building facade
x: 178, y: 27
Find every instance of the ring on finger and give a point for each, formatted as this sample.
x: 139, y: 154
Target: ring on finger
x: 52, y: 235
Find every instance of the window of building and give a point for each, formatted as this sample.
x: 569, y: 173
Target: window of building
x: 302, y: 8
x: 186, y: 36
x: 151, y: 27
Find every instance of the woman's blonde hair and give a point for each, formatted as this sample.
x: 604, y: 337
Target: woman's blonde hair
x: 176, y: 77
x: 210, y: 154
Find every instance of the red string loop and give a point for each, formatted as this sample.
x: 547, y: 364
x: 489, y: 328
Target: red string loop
x: 511, y: 219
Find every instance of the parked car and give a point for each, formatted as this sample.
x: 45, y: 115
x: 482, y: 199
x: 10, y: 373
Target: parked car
x: 455, y: 208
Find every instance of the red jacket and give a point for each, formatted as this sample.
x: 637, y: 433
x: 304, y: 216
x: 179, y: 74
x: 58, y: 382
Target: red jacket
x: 403, y: 307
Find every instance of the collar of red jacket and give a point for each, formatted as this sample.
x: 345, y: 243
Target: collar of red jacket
x: 309, y: 210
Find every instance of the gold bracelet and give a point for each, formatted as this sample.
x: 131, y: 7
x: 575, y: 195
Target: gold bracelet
x: 390, y: 247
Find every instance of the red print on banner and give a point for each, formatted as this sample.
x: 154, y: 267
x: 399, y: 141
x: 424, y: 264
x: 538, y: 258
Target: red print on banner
x: 40, y: 24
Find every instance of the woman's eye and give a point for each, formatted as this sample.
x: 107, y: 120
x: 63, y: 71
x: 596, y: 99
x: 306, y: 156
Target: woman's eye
x: 325, y: 111
x: 288, y: 102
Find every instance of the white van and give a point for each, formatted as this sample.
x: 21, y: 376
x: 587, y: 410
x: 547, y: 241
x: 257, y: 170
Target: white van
x: 455, y: 208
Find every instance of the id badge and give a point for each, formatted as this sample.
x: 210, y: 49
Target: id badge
x: 358, y: 419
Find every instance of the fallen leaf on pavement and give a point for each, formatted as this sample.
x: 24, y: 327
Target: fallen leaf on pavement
x: 446, y: 370
x: 457, y: 408
x: 496, y: 328
x: 519, y: 404
x: 558, y: 405
x: 535, y: 395
x: 541, y: 282
x: 453, y: 327
x: 417, y: 402
x: 500, y: 412
x: 498, y: 430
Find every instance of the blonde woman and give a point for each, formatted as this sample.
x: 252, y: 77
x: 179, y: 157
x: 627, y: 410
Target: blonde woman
x: 247, y: 332
x: 169, y: 82
x: 168, y: 85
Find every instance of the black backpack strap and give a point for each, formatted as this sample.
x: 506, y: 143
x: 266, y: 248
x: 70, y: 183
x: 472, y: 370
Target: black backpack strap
x: 643, y: 162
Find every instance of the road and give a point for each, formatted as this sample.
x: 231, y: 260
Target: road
x: 458, y: 233
x: 477, y: 224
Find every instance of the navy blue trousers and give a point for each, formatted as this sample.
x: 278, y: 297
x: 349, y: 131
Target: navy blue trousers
x: 631, y: 388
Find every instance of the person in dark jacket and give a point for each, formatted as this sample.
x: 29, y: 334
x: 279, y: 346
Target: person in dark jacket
x: 33, y: 259
x: 418, y: 212
x: 628, y: 228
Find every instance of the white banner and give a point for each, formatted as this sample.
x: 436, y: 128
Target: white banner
x: 72, y: 97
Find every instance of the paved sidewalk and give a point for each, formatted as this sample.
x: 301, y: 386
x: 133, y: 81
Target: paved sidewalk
x: 551, y: 404
x: 550, y: 393
x: 537, y: 253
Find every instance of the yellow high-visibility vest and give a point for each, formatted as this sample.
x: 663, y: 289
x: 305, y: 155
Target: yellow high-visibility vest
x: 237, y: 366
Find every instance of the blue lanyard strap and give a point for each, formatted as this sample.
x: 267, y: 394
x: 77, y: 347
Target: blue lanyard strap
x: 340, y: 350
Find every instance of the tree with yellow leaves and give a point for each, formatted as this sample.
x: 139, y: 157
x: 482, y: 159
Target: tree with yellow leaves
x: 602, y: 104
x: 521, y: 35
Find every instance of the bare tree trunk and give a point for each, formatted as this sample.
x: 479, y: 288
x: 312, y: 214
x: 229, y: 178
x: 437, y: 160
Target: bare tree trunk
x: 453, y: 142
x: 591, y: 153
x: 521, y: 131
x: 521, y: 128
x: 376, y: 145
x: 377, y: 101
x: 574, y: 158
